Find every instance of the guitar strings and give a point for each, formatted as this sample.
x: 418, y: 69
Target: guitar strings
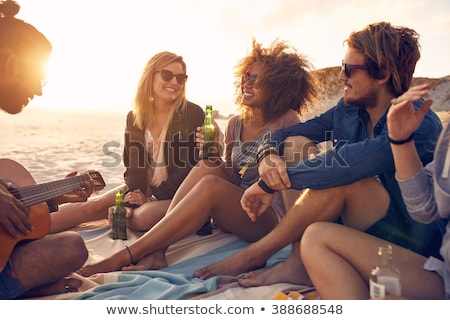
x: 31, y: 195
x: 34, y: 194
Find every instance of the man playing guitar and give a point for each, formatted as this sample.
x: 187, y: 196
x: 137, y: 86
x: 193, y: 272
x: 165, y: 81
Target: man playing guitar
x: 34, y: 267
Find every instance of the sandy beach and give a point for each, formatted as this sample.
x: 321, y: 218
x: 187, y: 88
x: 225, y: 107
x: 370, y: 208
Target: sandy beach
x: 51, y: 143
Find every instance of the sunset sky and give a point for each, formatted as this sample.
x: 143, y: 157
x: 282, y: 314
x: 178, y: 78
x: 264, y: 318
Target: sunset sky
x: 101, y: 46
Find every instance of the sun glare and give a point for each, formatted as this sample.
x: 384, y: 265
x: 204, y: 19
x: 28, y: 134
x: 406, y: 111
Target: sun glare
x: 99, y: 50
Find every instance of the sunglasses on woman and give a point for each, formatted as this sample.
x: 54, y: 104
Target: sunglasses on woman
x: 167, y: 75
x: 348, y: 68
x: 251, y: 78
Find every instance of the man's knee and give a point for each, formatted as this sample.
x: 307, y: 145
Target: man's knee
x: 78, y: 252
x: 296, y: 148
x: 368, y: 196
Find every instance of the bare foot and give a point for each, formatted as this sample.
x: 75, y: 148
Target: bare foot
x: 63, y: 285
x: 153, y: 261
x: 289, y: 271
x: 233, y: 265
x: 114, y: 263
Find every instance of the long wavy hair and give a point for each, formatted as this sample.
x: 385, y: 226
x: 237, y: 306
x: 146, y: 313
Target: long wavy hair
x: 143, y: 101
x: 388, y: 48
x: 286, y: 81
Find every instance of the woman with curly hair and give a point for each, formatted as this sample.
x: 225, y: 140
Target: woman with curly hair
x: 274, y: 86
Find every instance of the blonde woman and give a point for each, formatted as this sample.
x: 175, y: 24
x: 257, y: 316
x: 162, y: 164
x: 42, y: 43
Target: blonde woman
x: 159, y: 152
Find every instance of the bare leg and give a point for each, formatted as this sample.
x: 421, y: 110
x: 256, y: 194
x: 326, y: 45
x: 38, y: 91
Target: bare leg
x: 295, y: 149
x: 49, y: 260
x: 348, y: 203
x: 290, y: 271
x: 189, y: 215
x: 202, y: 169
x: 70, y: 215
x: 147, y: 215
x: 257, y: 253
x: 153, y: 261
x: 311, y: 206
x: 338, y: 257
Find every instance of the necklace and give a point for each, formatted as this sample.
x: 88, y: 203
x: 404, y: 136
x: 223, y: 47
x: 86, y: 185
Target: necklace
x: 148, y: 135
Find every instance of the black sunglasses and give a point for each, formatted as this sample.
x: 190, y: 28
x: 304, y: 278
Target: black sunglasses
x: 348, y: 68
x: 251, y: 78
x: 167, y: 75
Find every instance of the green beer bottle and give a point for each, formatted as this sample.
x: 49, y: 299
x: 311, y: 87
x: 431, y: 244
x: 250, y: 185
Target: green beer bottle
x: 119, y: 221
x: 208, y: 131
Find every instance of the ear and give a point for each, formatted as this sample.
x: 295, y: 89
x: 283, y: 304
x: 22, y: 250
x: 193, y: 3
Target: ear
x: 386, y: 78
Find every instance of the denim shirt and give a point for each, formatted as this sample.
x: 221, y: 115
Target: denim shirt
x: 354, y: 156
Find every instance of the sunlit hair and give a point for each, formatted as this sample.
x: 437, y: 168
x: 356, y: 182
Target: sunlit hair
x: 285, y: 81
x: 20, y: 38
x: 143, y: 101
x: 388, y: 48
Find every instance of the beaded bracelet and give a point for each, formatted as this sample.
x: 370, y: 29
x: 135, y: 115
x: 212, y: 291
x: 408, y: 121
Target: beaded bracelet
x: 263, y: 153
x: 264, y: 145
x: 265, y: 187
x: 400, y: 142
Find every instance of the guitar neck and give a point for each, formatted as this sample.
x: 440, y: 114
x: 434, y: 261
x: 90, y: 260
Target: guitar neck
x: 31, y: 195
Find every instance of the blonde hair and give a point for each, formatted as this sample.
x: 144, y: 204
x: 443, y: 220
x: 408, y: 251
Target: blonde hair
x: 143, y: 100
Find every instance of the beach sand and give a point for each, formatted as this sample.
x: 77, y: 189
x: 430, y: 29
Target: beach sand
x: 50, y: 144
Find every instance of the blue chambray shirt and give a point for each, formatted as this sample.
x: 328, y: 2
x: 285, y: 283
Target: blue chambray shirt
x: 354, y: 156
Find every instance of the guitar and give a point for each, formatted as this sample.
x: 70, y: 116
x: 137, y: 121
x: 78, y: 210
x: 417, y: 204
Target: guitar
x: 33, y: 196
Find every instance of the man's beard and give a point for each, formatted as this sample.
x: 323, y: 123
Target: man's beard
x: 367, y: 101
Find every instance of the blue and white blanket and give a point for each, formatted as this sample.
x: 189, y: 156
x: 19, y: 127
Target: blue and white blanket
x: 176, y: 281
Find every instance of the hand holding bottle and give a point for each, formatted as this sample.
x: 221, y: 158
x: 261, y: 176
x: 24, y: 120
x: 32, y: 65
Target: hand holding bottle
x: 136, y: 197
x: 128, y: 215
x: 199, y: 137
